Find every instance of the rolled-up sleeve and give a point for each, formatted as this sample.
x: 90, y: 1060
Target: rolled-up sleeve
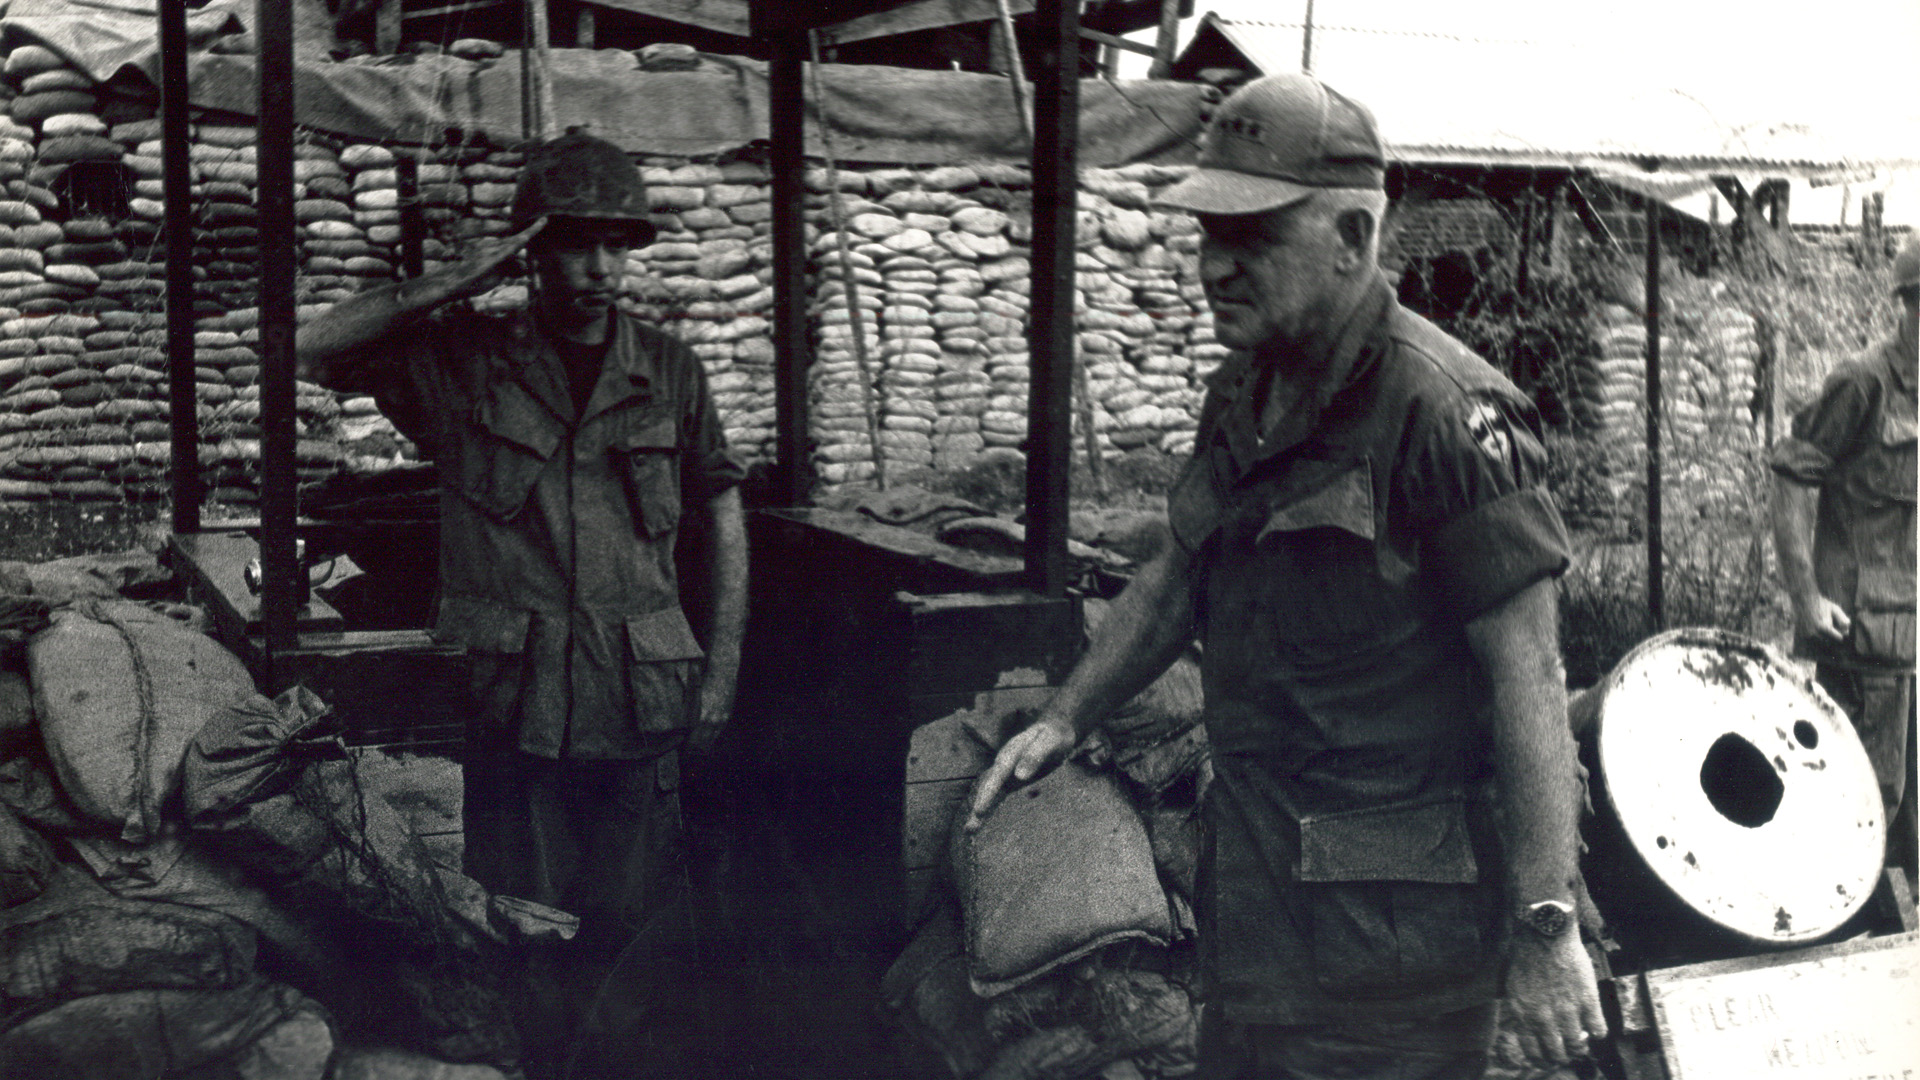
x: 1491, y: 527
x: 1827, y: 431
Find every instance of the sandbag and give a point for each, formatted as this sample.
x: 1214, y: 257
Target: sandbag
x: 1061, y: 868
x: 26, y: 860
x: 120, y: 690
x: 142, y: 1034
x: 389, y: 1064
x: 77, y: 940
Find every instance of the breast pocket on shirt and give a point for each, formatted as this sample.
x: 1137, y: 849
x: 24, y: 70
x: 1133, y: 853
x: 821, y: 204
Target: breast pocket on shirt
x: 1392, y: 900
x: 1325, y: 592
x: 663, y: 670
x: 648, y: 464
x: 506, y: 443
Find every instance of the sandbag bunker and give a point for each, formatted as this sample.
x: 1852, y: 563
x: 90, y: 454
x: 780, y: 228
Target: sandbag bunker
x: 198, y: 881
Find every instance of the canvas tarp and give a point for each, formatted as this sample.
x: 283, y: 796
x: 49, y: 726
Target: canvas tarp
x: 877, y: 114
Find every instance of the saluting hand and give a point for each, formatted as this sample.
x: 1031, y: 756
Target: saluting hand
x: 1033, y: 752
x: 474, y: 272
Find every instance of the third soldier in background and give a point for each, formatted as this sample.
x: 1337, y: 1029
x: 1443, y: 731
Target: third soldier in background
x: 1843, y: 526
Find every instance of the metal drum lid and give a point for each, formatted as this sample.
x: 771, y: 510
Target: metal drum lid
x: 1740, y: 784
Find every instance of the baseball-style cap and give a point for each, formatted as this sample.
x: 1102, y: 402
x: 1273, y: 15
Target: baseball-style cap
x: 1276, y: 141
x: 1906, y: 265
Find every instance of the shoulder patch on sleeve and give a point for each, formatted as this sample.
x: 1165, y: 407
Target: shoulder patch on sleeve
x: 1488, y: 426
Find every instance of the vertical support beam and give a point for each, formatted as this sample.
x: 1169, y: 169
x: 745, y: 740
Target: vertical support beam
x: 541, y: 37
x: 387, y: 22
x: 1306, y: 41
x: 1165, y: 40
x: 584, y: 27
x: 177, y: 190
x: 1656, y: 577
x: 413, y: 225
x: 282, y: 580
x: 1050, y: 337
x: 787, y: 111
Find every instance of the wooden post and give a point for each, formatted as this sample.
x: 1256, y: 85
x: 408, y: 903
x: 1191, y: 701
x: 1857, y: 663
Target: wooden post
x: 282, y: 579
x: 584, y: 27
x: 1306, y: 41
x: 540, y: 38
x: 1166, y: 40
x: 413, y: 226
x: 787, y: 109
x: 1050, y: 336
x: 177, y: 189
x: 1016, y: 68
x: 387, y: 24
x: 1656, y: 581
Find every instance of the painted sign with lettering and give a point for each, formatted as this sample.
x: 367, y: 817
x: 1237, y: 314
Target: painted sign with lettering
x: 1838, y: 1012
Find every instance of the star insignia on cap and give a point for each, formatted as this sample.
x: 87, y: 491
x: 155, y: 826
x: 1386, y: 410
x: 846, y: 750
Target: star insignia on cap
x: 1240, y: 125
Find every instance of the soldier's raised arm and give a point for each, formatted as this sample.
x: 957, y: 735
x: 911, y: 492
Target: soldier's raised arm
x: 370, y: 315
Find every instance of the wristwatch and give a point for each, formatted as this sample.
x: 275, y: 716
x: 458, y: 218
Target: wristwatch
x: 1548, y: 918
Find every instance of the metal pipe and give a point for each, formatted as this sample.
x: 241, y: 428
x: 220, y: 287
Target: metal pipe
x: 177, y: 192
x: 787, y: 109
x: 1656, y: 585
x: 1050, y: 336
x: 281, y: 575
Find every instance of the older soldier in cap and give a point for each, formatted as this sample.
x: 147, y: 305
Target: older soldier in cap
x: 1843, y: 526
x: 571, y: 439
x: 1363, y: 544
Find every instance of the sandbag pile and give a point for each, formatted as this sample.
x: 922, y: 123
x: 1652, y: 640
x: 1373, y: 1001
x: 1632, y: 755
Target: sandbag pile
x: 194, y: 878
x: 707, y: 279
x: 940, y: 268
x: 1708, y: 360
x: 1058, y: 944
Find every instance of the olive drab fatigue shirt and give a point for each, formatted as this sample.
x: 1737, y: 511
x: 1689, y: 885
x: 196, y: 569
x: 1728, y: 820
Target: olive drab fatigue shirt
x: 557, y: 529
x: 1351, y: 868
x: 1856, y: 444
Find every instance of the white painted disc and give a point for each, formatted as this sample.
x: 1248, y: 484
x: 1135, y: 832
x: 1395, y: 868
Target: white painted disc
x: 1740, y: 784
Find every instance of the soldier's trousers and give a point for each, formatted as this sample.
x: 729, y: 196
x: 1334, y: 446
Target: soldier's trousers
x: 603, y: 840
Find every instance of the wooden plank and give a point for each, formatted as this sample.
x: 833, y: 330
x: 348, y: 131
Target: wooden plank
x: 927, y: 820
x: 967, y: 642
x: 907, y: 546
x: 920, y: 15
x: 1837, y: 1012
x: 215, y: 564
x: 723, y: 16
x: 1114, y: 42
x: 389, y: 687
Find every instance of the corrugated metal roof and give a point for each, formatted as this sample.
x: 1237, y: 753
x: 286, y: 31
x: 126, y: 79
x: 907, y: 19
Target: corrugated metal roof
x: 1484, y: 101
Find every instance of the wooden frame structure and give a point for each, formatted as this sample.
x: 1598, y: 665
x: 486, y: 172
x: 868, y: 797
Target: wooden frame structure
x: 778, y: 32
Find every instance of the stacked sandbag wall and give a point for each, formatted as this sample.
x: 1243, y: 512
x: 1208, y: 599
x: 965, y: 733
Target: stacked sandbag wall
x: 1709, y: 358
x: 939, y: 258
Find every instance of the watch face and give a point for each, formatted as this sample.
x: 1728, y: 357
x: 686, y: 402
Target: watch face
x: 1549, y: 919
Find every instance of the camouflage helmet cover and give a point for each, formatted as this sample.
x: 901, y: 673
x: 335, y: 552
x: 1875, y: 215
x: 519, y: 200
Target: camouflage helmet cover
x: 580, y: 176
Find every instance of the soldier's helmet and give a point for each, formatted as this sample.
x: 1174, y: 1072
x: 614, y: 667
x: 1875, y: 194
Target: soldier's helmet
x: 580, y: 176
